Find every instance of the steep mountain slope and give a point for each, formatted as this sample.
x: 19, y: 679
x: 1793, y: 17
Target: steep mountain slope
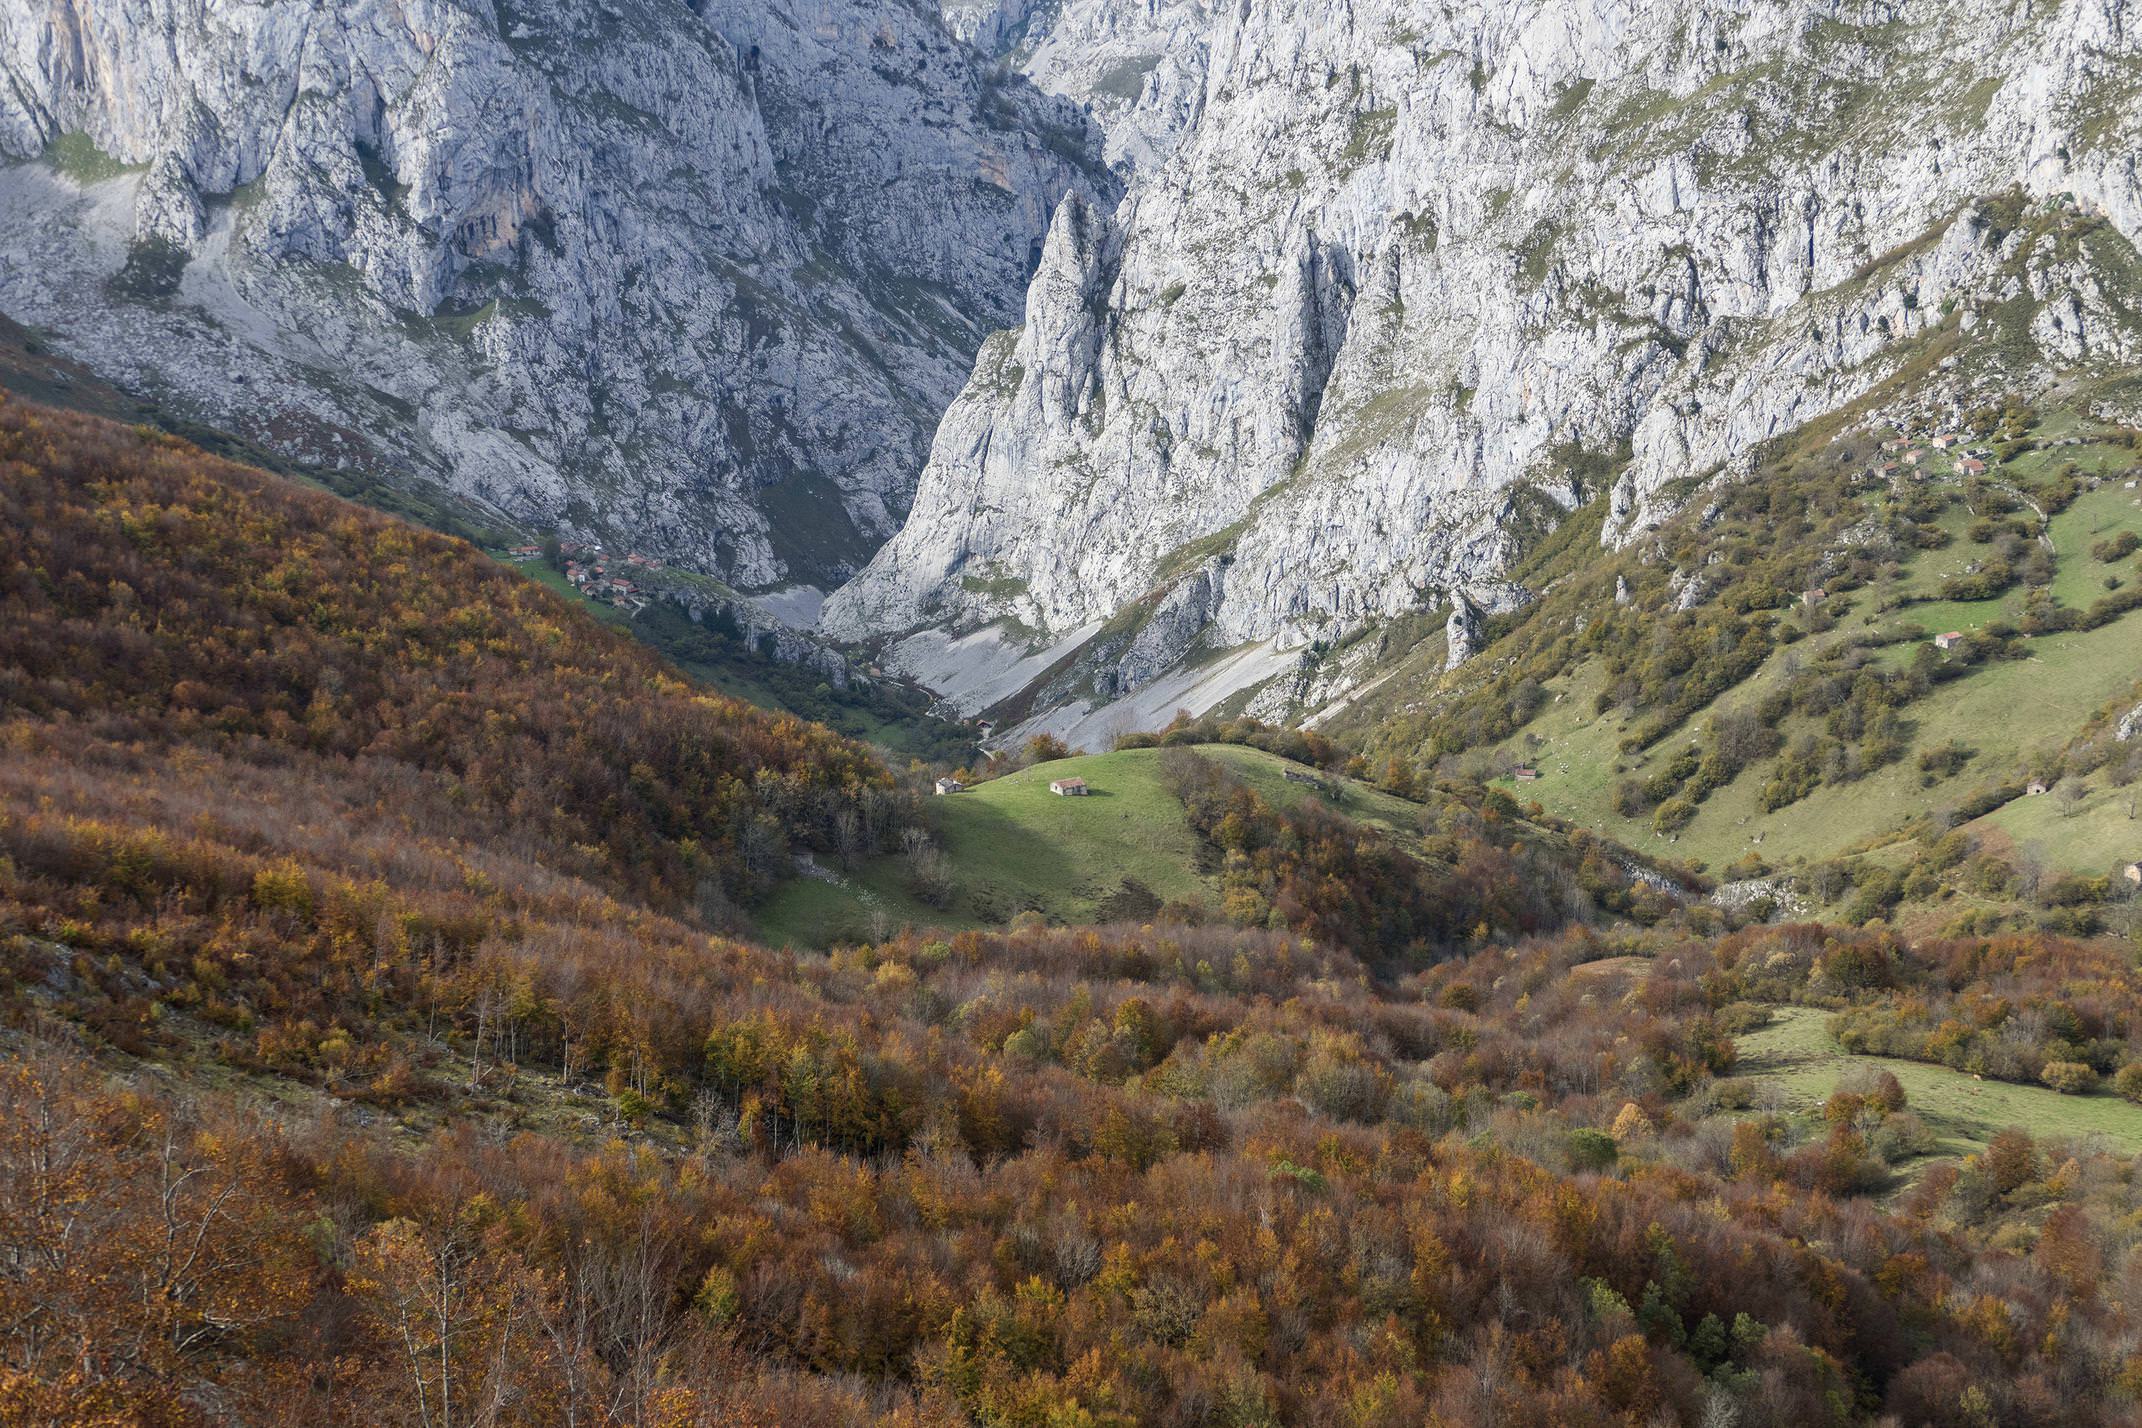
x: 1136, y: 845
x: 363, y: 681
x: 699, y: 279
x: 365, y: 1057
x: 1139, y: 69
x: 1901, y: 661
x: 1415, y: 284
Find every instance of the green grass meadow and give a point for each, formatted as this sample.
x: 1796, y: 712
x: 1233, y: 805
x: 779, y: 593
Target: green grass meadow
x: 1796, y: 1051
x: 2006, y: 712
x: 1016, y: 848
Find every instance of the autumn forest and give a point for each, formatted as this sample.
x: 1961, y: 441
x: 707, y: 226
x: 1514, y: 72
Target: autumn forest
x: 384, y: 1039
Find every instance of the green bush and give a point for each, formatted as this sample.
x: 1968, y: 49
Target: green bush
x: 2069, y: 1077
x: 1590, y: 1150
x: 1735, y: 1018
x: 2117, y: 547
x: 1673, y: 815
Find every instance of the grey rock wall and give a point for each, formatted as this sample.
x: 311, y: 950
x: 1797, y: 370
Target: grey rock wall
x: 696, y: 279
x: 1414, y: 277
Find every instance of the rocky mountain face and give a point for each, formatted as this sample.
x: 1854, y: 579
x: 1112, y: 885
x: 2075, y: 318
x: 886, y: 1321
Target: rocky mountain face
x: 1138, y: 66
x: 698, y: 278
x: 1409, y: 283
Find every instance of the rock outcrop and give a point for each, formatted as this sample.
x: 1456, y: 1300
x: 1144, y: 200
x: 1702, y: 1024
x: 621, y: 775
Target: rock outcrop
x: 1139, y: 67
x: 699, y: 279
x: 2130, y: 725
x: 1414, y: 281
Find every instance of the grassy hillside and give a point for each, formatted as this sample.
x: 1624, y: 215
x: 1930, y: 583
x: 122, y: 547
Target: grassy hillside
x: 1965, y: 1111
x: 1720, y: 715
x: 2012, y: 716
x: 1122, y: 852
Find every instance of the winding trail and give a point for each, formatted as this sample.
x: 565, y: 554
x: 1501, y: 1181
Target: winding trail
x: 2045, y: 522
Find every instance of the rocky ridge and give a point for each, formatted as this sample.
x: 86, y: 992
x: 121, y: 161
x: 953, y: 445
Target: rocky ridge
x: 1138, y: 68
x: 699, y: 279
x: 1412, y: 285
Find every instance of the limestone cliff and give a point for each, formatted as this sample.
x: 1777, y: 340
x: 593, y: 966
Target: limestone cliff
x: 1416, y: 280
x: 698, y: 278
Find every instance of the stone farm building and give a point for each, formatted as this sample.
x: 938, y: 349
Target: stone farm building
x: 1068, y: 787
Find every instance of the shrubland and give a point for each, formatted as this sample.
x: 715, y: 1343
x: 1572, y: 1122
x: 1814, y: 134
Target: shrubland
x: 378, y: 1048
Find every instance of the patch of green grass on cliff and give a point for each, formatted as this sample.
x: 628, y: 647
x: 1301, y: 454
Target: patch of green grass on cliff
x: 76, y: 156
x: 1126, y: 81
x: 1369, y: 136
x: 996, y: 584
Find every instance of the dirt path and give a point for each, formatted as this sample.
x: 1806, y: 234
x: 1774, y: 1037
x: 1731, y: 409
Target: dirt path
x: 2045, y: 522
